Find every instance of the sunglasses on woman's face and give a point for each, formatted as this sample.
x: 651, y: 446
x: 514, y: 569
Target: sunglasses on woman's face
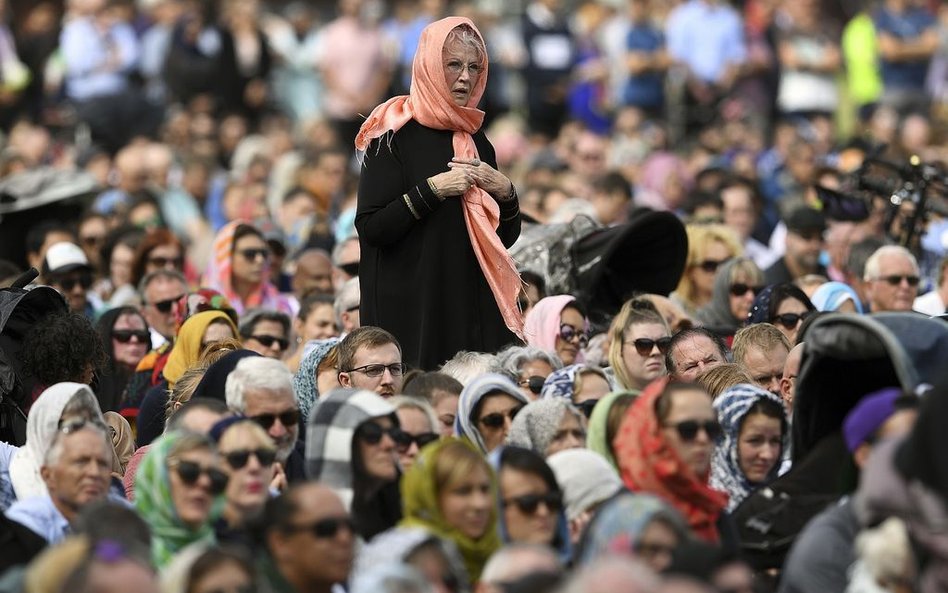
x: 371, y: 433
x: 190, y: 472
x: 688, y: 429
x: 496, y: 420
x: 239, y: 458
x: 268, y: 341
x: 790, y: 320
x: 422, y: 439
x: 254, y: 254
x: 166, y: 262
x: 124, y: 336
x: 534, y: 384
x: 570, y: 333
x: 587, y: 406
x: 711, y: 265
x: 739, y: 289
x: 528, y: 504
x: 644, y: 346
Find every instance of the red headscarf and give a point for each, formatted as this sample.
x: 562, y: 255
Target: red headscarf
x: 648, y: 464
x: 429, y: 103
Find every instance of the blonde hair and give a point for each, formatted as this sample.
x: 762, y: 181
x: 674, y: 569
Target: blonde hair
x: 762, y: 336
x: 455, y: 461
x: 719, y: 378
x: 416, y: 402
x: 184, y: 389
x: 633, y: 312
x: 700, y: 238
x: 257, y: 436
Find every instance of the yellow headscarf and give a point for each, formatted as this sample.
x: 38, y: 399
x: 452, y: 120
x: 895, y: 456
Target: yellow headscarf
x: 420, y: 499
x: 187, y: 346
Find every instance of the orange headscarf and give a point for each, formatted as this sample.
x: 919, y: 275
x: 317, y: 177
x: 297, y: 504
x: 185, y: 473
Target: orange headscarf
x: 648, y: 464
x: 429, y: 103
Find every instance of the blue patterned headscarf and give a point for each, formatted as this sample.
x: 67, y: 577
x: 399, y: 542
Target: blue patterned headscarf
x: 560, y: 383
x: 726, y: 473
x: 760, y: 310
x: 304, y: 383
x: 831, y: 295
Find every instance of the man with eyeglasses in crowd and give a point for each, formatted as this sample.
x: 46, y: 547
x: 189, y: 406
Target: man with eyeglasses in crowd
x: 262, y: 389
x: 892, y: 279
x: 67, y: 269
x: 266, y: 332
x: 309, y: 538
x: 159, y: 290
x: 371, y: 358
x: 76, y: 471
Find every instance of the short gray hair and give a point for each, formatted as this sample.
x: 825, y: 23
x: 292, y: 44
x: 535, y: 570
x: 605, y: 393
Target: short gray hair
x: 152, y: 276
x: 257, y: 373
x: 603, y: 574
x: 340, y: 246
x: 56, y: 448
x: 466, y: 366
x: 873, y: 264
x: 349, y: 296
x: 514, y: 357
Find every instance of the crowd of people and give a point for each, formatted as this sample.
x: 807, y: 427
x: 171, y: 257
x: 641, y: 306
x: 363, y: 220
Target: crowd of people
x: 287, y: 343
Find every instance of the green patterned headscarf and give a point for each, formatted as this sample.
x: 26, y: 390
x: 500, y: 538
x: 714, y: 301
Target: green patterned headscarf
x: 154, y: 503
x: 422, y: 509
x: 598, y: 427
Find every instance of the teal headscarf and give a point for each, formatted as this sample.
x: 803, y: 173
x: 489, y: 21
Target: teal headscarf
x: 304, y: 383
x: 154, y: 503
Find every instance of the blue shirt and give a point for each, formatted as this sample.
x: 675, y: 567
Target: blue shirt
x: 86, y: 51
x: 905, y: 26
x: 41, y: 516
x: 706, y: 37
x: 647, y: 89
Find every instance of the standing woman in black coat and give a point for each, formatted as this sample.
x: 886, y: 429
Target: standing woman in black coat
x: 435, y: 217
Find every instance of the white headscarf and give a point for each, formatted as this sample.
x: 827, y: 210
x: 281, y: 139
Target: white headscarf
x: 41, y: 426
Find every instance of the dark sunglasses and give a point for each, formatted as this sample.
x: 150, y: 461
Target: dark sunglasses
x: 167, y: 262
x: 534, y: 384
x: 711, y: 265
x: 352, y: 269
x: 76, y: 424
x: 587, y: 406
x: 644, y: 346
x: 190, y: 472
x: 240, y: 457
x: 289, y: 419
x: 569, y: 333
x: 740, y: 289
x: 326, y: 528
x: 84, y: 280
x: 688, y: 430
x: 496, y: 420
x: 896, y: 279
x: 269, y: 341
x: 529, y: 503
x: 790, y: 320
x: 254, y: 254
x: 92, y: 240
x: 125, y: 336
x: 425, y: 438
x: 166, y: 305
x: 371, y: 433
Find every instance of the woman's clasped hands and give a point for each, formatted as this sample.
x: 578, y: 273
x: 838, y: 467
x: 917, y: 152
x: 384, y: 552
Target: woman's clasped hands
x: 464, y: 173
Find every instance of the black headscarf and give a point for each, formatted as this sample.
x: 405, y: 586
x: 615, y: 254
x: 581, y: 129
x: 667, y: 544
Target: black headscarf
x: 111, y: 383
x: 923, y: 455
x: 213, y: 383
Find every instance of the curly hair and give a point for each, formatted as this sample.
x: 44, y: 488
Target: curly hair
x: 61, y: 347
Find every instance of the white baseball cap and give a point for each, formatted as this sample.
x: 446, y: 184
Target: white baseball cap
x: 64, y: 257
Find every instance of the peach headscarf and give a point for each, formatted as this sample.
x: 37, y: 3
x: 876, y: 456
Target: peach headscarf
x: 429, y: 103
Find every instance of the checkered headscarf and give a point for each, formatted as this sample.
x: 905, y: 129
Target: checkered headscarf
x: 329, y: 433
